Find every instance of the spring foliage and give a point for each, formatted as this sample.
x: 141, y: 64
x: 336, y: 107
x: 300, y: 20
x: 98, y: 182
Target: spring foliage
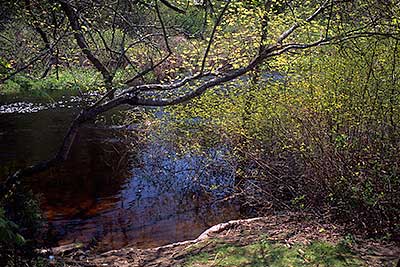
x: 321, y: 133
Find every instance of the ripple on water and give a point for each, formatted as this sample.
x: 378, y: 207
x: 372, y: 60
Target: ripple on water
x: 66, y: 102
x: 156, y: 197
x: 21, y: 107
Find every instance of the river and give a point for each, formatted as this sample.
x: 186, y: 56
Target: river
x: 108, y: 193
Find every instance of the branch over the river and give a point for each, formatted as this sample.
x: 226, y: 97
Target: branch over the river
x: 146, y: 95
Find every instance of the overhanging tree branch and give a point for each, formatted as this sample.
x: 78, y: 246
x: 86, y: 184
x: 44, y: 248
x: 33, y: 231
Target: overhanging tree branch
x: 142, y: 95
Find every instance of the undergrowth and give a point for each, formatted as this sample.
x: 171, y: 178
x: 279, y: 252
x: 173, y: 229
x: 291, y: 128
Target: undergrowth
x: 322, y: 136
x: 20, y: 227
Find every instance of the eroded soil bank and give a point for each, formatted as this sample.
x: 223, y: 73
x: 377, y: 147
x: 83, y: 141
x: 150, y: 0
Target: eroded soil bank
x: 235, y: 244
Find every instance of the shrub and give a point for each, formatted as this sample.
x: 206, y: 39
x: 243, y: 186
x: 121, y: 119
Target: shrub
x: 324, y: 138
x: 20, y: 227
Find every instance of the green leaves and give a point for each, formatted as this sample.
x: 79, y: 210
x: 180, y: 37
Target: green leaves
x: 9, y: 231
x: 5, y: 67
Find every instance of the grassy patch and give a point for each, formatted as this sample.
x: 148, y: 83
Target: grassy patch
x: 278, y: 255
x: 71, y: 81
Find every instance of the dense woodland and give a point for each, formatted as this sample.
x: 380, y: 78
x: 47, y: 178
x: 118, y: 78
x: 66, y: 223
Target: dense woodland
x: 305, y: 94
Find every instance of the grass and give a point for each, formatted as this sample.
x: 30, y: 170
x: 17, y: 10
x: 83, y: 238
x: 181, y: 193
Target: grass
x: 69, y: 81
x: 317, y: 254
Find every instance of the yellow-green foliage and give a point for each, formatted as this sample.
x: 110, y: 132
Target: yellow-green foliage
x: 329, y: 127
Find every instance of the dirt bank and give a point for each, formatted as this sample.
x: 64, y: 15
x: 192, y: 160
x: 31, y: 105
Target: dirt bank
x: 289, y: 230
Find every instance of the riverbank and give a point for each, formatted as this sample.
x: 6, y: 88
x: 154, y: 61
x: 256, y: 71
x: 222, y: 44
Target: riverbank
x: 72, y: 81
x: 293, y: 239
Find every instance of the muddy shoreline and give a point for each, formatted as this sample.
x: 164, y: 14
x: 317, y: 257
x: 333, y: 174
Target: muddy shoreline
x: 288, y: 229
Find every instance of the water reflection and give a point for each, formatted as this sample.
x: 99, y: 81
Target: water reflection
x: 161, y: 199
x: 110, y: 195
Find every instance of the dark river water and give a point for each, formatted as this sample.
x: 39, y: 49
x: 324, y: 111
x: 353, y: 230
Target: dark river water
x: 111, y: 193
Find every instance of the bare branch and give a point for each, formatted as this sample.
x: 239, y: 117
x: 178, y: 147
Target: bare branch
x: 153, y: 66
x: 173, y: 7
x: 203, y: 63
x: 80, y: 39
x: 296, y: 25
x: 33, y: 60
x: 166, y: 87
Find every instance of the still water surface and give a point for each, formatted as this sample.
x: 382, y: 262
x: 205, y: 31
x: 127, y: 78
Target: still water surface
x: 107, y: 194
